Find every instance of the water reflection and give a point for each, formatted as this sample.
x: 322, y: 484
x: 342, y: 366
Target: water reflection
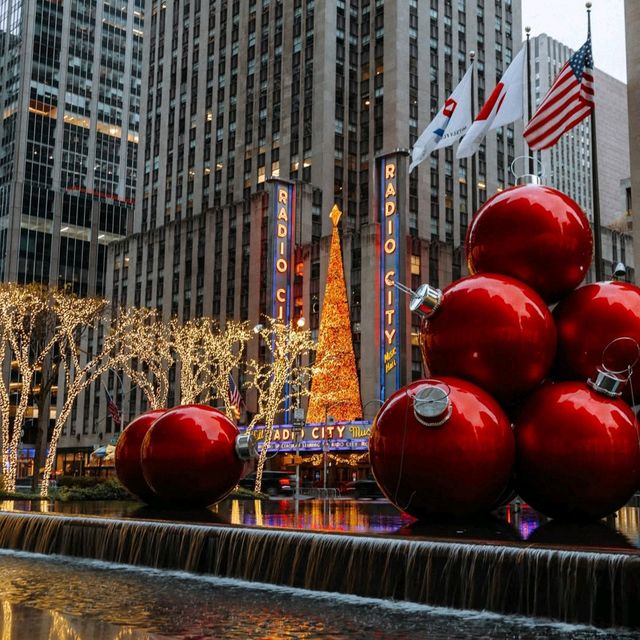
x: 102, y: 601
x: 515, y: 522
x: 20, y: 622
x: 315, y: 515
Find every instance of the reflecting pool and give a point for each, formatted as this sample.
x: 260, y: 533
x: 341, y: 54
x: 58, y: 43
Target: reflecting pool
x: 55, y: 598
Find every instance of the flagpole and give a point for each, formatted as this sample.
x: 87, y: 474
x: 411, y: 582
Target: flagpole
x: 595, y: 188
x: 474, y: 178
x: 527, y: 30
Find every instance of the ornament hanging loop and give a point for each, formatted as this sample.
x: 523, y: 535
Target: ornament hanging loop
x: 631, y: 365
x: 527, y: 178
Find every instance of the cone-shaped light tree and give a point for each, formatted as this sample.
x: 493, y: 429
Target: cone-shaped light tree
x: 335, y: 389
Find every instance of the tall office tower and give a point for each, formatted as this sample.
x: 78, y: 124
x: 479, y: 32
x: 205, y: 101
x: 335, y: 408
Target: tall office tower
x: 70, y: 81
x: 308, y: 103
x: 70, y: 86
x: 567, y: 165
x: 632, y: 27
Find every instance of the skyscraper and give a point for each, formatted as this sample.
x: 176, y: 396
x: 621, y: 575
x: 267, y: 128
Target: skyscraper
x: 245, y: 98
x: 70, y: 81
x: 70, y: 87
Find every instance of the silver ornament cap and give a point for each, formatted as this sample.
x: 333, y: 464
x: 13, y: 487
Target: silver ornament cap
x: 425, y: 300
x: 607, y: 383
x: 431, y: 405
x: 246, y: 447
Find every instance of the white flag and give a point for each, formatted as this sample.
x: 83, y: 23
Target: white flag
x: 503, y: 106
x: 451, y: 122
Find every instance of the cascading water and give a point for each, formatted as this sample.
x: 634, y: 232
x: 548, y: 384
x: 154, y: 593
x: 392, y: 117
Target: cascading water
x: 595, y: 588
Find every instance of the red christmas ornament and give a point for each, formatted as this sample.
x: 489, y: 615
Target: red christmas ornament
x: 534, y: 233
x: 191, y: 455
x: 489, y: 329
x: 577, y: 453
x: 127, y: 455
x: 599, y: 323
x: 442, y: 447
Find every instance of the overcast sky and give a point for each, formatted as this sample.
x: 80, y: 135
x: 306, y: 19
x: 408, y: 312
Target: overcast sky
x: 566, y: 21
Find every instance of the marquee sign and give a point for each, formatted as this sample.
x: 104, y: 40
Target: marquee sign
x: 340, y: 436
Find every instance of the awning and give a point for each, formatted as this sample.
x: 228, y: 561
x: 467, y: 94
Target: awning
x: 106, y: 451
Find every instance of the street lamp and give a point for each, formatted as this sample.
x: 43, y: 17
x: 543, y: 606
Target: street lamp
x: 366, y: 404
x: 298, y: 413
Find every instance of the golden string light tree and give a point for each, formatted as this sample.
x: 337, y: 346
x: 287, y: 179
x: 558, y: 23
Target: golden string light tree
x: 226, y: 348
x: 31, y: 330
x: 207, y: 356
x: 6, y: 327
x: 335, y: 388
x: 148, y: 356
x: 275, y: 379
x: 82, y: 368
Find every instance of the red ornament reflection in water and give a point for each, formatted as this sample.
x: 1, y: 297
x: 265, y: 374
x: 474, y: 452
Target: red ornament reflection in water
x: 188, y: 456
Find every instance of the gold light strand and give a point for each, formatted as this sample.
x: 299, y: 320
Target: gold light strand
x: 351, y: 460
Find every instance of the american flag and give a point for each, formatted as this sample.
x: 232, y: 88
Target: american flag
x: 235, y: 399
x: 568, y: 101
x: 112, y: 409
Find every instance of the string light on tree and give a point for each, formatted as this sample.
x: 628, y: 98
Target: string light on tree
x: 149, y: 357
x: 82, y: 369
x: 275, y: 379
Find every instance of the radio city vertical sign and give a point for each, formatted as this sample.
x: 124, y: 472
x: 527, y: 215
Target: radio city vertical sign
x: 391, y: 177
x: 282, y: 230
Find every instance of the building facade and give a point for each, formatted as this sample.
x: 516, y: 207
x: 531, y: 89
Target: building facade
x: 242, y: 97
x: 632, y: 24
x: 70, y: 87
x: 70, y: 79
x: 567, y: 165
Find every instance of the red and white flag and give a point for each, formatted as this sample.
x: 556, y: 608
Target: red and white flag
x: 569, y: 101
x: 452, y: 121
x: 503, y: 106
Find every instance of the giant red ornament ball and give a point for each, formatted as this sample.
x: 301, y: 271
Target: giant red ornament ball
x: 592, y: 324
x: 577, y: 452
x: 491, y: 330
x: 188, y: 456
x: 535, y: 234
x: 458, y: 466
x: 127, y: 455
